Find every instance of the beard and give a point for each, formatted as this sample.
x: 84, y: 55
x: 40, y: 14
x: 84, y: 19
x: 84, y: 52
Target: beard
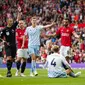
x: 65, y: 25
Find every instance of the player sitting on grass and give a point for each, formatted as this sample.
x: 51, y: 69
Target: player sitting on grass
x: 57, y: 66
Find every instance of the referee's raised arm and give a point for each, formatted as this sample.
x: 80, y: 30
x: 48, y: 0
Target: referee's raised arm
x: 19, y: 14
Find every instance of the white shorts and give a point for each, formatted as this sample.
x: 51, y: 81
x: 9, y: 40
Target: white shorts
x: 64, y: 50
x: 58, y: 74
x: 23, y: 53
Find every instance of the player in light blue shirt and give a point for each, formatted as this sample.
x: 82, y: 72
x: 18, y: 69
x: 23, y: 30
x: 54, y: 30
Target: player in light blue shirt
x: 33, y: 32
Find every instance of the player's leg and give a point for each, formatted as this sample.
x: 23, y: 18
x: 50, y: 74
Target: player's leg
x: 13, y: 53
x: 18, y: 61
x: 37, y: 48
x: 66, y: 53
x: 33, y: 64
x: 72, y: 74
x: 62, y: 50
x: 23, y: 66
x: 33, y: 59
x: 9, y: 60
x: 24, y: 59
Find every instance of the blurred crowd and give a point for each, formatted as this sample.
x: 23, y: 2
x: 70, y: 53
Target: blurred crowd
x: 48, y: 11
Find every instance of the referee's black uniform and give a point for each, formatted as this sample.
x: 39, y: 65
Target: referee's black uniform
x: 8, y: 34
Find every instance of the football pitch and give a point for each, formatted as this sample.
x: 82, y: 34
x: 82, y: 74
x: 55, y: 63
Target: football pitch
x: 41, y: 79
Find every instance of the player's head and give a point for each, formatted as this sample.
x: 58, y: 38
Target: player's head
x: 34, y: 20
x: 21, y: 24
x: 65, y: 22
x: 55, y: 48
x: 10, y: 22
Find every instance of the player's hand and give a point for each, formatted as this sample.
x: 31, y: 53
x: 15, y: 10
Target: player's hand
x: 22, y: 47
x: 19, y: 13
x: 19, y: 16
x: 19, y: 9
x: 53, y: 23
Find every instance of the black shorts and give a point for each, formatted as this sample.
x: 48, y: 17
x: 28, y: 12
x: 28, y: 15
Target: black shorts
x: 10, y: 51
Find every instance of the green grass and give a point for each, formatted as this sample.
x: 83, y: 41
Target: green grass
x: 41, y: 79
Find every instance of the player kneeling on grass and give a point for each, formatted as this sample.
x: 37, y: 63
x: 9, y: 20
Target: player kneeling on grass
x: 57, y: 65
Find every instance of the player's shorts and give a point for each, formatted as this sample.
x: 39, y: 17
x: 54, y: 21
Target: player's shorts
x: 64, y: 50
x: 11, y: 51
x: 23, y: 53
x: 58, y: 74
x: 34, y: 49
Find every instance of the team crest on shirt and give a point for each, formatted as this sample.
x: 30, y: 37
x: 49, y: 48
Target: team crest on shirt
x: 7, y: 33
x: 67, y: 30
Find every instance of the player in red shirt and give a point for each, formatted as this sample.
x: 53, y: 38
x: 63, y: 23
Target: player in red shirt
x: 65, y: 32
x: 21, y: 53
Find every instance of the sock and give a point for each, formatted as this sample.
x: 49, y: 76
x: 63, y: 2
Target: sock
x: 18, y: 63
x: 72, y: 74
x: 9, y: 65
x: 33, y: 65
x: 23, y: 67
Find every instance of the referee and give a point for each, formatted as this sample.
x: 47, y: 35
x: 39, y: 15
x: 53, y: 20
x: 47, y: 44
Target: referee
x: 8, y: 34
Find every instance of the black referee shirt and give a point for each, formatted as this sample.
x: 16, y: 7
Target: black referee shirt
x: 9, y: 34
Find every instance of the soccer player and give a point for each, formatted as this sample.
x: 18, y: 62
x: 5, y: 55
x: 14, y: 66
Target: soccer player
x: 56, y: 65
x: 33, y: 32
x: 21, y: 53
x: 8, y: 34
x: 65, y: 32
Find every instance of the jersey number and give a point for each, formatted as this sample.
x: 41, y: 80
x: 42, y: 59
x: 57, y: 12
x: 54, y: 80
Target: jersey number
x: 53, y: 62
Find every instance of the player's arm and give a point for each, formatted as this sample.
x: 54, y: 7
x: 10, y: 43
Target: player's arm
x: 19, y: 14
x: 57, y: 34
x: 18, y: 37
x: 51, y: 35
x: 18, y: 18
x: 76, y: 35
x: 65, y: 64
x: 24, y: 39
x: 50, y: 25
x: 14, y: 26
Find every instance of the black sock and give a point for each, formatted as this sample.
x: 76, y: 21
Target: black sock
x: 18, y: 63
x: 23, y: 67
x: 9, y: 65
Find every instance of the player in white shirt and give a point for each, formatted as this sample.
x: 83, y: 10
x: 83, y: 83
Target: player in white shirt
x: 56, y: 65
x: 33, y: 32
